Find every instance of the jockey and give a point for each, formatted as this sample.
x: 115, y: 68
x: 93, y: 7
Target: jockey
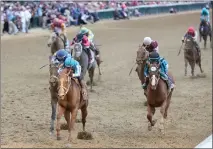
x: 85, y: 43
x: 90, y: 35
x: 59, y: 27
x: 70, y: 62
x: 60, y: 56
x: 193, y: 34
x: 205, y: 15
x: 150, y: 44
x: 155, y: 57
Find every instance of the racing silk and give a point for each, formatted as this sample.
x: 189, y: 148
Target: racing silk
x: 90, y: 35
x: 205, y: 15
x: 75, y: 66
x: 58, y: 26
x: 153, y: 47
x: 54, y: 59
x: 63, y: 18
x: 163, y: 67
x: 194, y: 36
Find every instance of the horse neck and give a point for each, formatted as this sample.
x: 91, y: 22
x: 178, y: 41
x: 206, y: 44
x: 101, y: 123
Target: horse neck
x: 73, y: 92
x: 159, y: 91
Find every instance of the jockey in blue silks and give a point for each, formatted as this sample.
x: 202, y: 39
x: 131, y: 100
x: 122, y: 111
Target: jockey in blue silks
x: 60, y: 56
x: 70, y: 62
x: 205, y: 16
x: 155, y: 57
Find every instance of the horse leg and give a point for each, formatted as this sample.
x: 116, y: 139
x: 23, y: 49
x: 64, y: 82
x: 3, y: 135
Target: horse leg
x: 199, y: 64
x: 72, y: 123
x: 53, y: 116
x: 61, y: 111
x: 205, y: 39
x: 186, y: 65
x: 67, y: 118
x: 84, y: 115
x: 162, y: 121
x: 91, y: 75
x: 192, y: 64
x: 168, y: 103
x: 151, y: 111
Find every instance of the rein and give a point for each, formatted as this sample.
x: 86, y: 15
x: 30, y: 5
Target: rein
x: 69, y: 83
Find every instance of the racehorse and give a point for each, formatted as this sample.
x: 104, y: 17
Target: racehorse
x: 81, y: 55
x: 69, y: 101
x: 56, y: 42
x: 53, y: 81
x: 205, y: 31
x: 142, y: 56
x: 191, y: 56
x: 158, y: 95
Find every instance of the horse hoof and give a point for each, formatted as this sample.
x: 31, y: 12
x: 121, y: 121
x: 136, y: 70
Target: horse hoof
x: 149, y: 127
x: 92, y: 90
x: 154, y: 122
x: 78, y: 120
x: 85, y: 135
x: 68, y: 145
x: 51, y: 133
x: 202, y: 75
x: 74, y: 141
x: 58, y: 138
x: 145, y: 103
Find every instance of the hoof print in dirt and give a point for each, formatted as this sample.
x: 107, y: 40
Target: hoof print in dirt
x: 64, y: 127
x: 85, y: 135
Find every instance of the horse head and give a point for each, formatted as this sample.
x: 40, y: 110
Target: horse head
x: 142, y: 55
x: 154, y: 74
x: 64, y: 82
x: 53, y: 74
x: 52, y: 38
x: 77, y: 49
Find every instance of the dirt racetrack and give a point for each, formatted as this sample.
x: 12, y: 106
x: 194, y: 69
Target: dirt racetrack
x: 117, y: 117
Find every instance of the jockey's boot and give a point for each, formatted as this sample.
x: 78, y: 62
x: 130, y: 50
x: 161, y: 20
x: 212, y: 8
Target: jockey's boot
x: 97, y: 53
x: 83, y: 90
x: 89, y: 54
x: 144, y: 85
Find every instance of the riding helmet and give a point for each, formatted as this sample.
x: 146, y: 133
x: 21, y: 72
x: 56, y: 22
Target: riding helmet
x: 154, y: 56
x: 61, y: 54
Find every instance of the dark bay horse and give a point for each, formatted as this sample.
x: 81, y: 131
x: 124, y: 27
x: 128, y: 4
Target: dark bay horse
x: 81, y: 55
x: 158, y: 95
x: 69, y: 101
x: 56, y: 42
x: 191, y: 56
x: 204, y: 32
x: 53, y: 82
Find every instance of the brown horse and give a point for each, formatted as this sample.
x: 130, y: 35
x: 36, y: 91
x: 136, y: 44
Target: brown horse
x: 56, y: 42
x: 158, y: 95
x: 69, y: 101
x: 191, y: 56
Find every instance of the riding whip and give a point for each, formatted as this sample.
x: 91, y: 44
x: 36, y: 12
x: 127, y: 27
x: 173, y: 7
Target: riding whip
x: 132, y: 69
x: 43, y: 66
x: 180, y: 49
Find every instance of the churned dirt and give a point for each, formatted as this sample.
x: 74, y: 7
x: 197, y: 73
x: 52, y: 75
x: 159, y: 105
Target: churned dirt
x: 117, y: 117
